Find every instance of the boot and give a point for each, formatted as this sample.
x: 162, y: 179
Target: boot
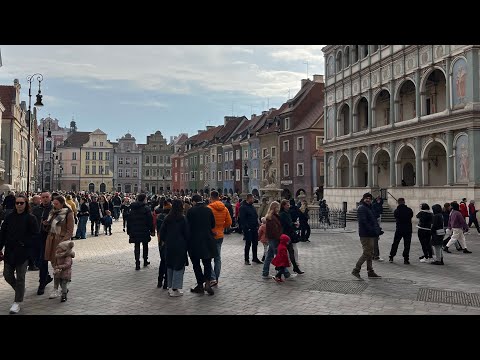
x: 137, y: 265
x: 159, y: 282
x: 146, y: 263
x: 64, y: 298
x: 208, y: 288
x: 197, y: 289
x: 441, y: 261
x: 298, y: 271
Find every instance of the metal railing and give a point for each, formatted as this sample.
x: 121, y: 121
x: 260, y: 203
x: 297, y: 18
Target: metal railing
x: 334, y: 218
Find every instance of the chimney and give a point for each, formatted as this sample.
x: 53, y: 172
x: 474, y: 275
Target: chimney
x: 228, y: 118
x: 318, y: 79
x: 271, y: 110
x: 200, y: 131
x: 304, y: 81
x: 253, y: 115
x: 210, y: 127
x: 264, y: 112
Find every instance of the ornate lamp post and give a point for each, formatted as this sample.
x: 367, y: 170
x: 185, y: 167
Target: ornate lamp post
x: 38, y: 103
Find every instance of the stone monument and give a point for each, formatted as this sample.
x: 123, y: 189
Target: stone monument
x: 270, y: 190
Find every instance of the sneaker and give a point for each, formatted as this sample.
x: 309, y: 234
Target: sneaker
x: 175, y: 293
x: 466, y: 251
x: 372, y: 274
x: 257, y: 261
x: 54, y: 294
x: 299, y: 272
x: 445, y: 248
x: 390, y: 259
x: 436, y: 262
x: 379, y: 259
x: 266, y: 277
x: 423, y: 260
x: 278, y: 280
x: 64, y: 298
x: 356, y: 274
x: 247, y: 262
x: 15, y: 308
x: 213, y: 282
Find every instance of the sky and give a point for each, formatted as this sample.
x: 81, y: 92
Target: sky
x: 141, y: 89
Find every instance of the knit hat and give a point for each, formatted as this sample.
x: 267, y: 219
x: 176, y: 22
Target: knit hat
x: 66, y: 246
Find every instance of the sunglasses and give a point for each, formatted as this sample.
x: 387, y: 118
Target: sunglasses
x: 20, y: 203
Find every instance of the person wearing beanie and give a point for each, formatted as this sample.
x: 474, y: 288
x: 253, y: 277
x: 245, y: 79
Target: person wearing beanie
x: 63, y: 269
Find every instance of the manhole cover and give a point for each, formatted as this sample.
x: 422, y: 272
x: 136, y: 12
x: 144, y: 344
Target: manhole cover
x: 341, y: 287
x: 448, y: 297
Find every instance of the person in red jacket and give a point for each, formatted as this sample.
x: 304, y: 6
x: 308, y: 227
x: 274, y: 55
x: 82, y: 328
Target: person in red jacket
x: 472, y: 213
x: 463, y: 208
x: 281, y: 260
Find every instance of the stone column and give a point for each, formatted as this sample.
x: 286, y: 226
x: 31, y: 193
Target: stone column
x: 335, y: 122
x: 369, y: 122
x: 417, y: 94
x: 354, y: 122
x: 392, y: 104
x: 392, y: 164
x: 334, y: 180
x: 325, y: 170
x: 450, y: 168
x: 447, y: 102
x: 350, y: 118
x: 369, y: 167
x: 474, y: 158
x: 418, y: 162
x: 350, y: 168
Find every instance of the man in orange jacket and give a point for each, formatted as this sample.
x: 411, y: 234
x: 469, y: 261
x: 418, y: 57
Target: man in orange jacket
x: 223, y: 221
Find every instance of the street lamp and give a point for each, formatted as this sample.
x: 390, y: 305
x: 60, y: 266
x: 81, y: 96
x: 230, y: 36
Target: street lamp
x: 49, y: 136
x: 52, y: 166
x: 38, y: 103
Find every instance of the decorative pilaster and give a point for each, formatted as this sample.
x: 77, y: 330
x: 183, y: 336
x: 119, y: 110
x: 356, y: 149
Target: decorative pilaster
x: 418, y: 162
x: 450, y: 168
x: 392, y: 164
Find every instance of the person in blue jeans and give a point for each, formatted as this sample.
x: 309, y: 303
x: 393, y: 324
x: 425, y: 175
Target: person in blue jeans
x: 273, y: 233
x: 82, y: 220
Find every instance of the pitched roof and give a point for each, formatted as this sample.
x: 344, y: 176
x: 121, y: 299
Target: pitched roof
x: 208, y: 135
x: 267, y: 127
x: 228, y: 128
x: 7, y: 96
x: 297, y: 99
x: 77, y: 139
x: 98, y: 132
x: 311, y: 118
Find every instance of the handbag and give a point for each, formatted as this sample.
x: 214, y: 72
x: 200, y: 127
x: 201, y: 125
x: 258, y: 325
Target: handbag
x: 440, y: 232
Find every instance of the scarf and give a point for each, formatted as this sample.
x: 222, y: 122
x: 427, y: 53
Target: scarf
x: 56, y: 218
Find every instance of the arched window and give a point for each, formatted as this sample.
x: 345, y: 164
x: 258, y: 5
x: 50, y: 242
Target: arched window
x: 339, y: 62
x: 355, y: 54
x: 346, y: 57
x: 364, y: 51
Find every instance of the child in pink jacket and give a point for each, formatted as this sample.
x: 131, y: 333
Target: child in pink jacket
x: 63, y: 269
x: 262, y: 230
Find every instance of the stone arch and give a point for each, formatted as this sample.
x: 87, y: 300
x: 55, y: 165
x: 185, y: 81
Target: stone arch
x: 91, y: 187
x: 433, y: 91
x: 361, y: 114
x: 434, y: 163
x: 330, y: 66
x: 298, y: 192
x: 360, y: 169
x: 339, y: 61
x: 381, y: 168
x: 405, y: 100
x: 405, y: 160
x: 286, y: 194
x: 343, y: 120
x: 343, y: 166
x: 381, y: 108
x: 255, y: 192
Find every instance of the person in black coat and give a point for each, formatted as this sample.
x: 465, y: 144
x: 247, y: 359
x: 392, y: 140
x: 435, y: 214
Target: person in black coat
x: 229, y: 207
x: 289, y: 229
x: 175, y: 233
x: 140, y: 228
x: 425, y: 218
x: 446, y: 215
x: 403, y: 218
x: 94, y: 210
x: 250, y: 226
x: 368, y: 230
x: 16, y: 235
x: 202, y: 245
x: 438, y: 232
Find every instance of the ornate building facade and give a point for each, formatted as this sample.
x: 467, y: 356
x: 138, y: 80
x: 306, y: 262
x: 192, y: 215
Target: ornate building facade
x: 402, y: 118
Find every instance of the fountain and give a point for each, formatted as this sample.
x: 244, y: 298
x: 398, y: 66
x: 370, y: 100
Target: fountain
x: 270, y: 190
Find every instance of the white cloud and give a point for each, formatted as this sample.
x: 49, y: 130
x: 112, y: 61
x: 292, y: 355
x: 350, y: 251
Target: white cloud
x: 150, y: 103
x: 255, y: 70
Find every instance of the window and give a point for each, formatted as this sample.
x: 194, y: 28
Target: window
x: 100, y: 169
x: 101, y: 143
x: 237, y: 174
x: 176, y: 176
x: 135, y: 160
x: 147, y: 172
x: 254, y: 153
x: 181, y: 163
x: 255, y: 173
x: 74, y: 169
x: 154, y: 172
x: 176, y: 163
x: 74, y: 155
x: 127, y: 161
x: 100, y: 155
x: 213, y: 158
x: 231, y: 155
x: 181, y: 176
x: 237, y: 154
x: 287, y: 123
x: 245, y: 154
x: 213, y: 175
x: 286, y: 146
x: 49, y: 145
x: 201, y: 174
x: 226, y: 175
x: 201, y: 161
x: 127, y: 173
x: 94, y: 170
x: 135, y: 173
x: 94, y: 143
x: 107, y: 156
x: 318, y: 142
x: 194, y: 160
x: 87, y: 169
x: 219, y: 176
x: 300, y: 169
x: 300, y: 144
x: 120, y: 160
x: 225, y: 157
x: 286, y: 170
x: 231, y: 175
x: 264, y: 153
x: 154, y: 159
x: 147, y: 159
x: 107, y: 170
x: 263, y: 174
x: 192, y: 175
x: 60, y: 155
x: 87, y: 155
x: 168, y: 159
x: 94, y: 155
x: 219, y: 158
x: 273, y: 151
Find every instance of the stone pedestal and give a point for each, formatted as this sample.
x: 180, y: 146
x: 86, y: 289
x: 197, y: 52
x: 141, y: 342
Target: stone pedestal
x: 271, y: 194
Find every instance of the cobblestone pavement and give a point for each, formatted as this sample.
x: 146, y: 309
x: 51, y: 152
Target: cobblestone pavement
x: 105, y: 282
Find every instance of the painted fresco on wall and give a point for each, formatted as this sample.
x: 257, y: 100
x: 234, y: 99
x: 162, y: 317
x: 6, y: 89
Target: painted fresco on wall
x: 330, y: 123
x: 330, y: 171
x: 459, y: 82
x: 462, y: 164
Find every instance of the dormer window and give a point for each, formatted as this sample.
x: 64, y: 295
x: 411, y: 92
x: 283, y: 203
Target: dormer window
x: 287, y: 123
